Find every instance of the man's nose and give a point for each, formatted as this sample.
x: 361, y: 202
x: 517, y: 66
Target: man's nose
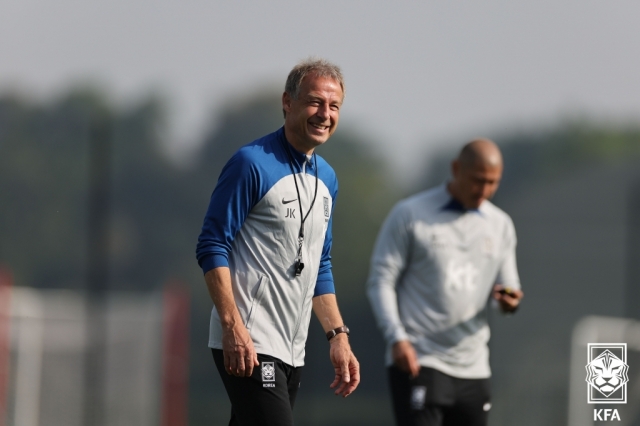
x: 323, y: 111
x: 487, y: 189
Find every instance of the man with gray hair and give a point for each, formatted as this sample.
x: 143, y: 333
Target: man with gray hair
x: 440, y: 255
x: 265, y: 253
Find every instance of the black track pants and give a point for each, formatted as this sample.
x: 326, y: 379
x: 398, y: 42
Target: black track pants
x: 436, y: 399
x: 264, y: 399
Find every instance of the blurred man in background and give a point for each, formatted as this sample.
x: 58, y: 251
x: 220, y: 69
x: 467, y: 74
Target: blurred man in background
x: 265, y: 252
x: 439, y: 257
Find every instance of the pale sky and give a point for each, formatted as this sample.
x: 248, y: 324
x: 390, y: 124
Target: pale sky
x: 417, y: 73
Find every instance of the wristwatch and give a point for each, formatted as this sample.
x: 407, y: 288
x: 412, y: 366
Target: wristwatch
x: 343, y: 329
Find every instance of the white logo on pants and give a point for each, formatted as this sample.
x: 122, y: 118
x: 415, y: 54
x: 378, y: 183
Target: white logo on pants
x: 268, y: 372
x: 418, y: 397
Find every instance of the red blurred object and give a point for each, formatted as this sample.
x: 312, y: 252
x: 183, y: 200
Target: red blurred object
x: 6, y: 283
x: 175, y: 359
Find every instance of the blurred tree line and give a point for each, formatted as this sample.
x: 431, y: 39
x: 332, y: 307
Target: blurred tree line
x: 157, y: 206
x: 536, y: 156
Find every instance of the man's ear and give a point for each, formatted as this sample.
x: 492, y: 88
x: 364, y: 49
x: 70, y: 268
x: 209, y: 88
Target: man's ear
x: 286, y: 102
x: 455, y: 168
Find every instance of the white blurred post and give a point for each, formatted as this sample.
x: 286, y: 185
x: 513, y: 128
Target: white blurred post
x: 27, y: 308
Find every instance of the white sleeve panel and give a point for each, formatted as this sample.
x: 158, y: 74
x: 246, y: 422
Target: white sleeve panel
x: 390, y: 255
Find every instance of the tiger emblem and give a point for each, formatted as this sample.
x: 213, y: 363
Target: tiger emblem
x: 607, y: 373
x: 268, y: 372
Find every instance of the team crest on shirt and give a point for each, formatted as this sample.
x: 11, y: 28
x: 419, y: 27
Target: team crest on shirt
x: 487, y: 246
x: 268, y: 370
x: 461, y: 276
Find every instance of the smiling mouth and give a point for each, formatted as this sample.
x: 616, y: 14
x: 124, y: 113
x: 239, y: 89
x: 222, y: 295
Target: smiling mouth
x: 319, y: 126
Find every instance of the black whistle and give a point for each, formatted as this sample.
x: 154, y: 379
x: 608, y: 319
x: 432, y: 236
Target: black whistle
x: 299, y: 268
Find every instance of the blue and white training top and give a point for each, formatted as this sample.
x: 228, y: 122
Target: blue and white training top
x: 252, y: 226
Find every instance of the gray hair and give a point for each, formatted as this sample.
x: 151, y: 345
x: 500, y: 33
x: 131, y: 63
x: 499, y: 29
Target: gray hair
x: 317, y: 66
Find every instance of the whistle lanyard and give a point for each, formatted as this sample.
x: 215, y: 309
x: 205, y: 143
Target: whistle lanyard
x: 299, y: 266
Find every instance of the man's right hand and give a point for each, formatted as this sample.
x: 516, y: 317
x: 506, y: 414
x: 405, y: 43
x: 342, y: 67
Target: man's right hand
x: 239, y: 354
x: 405, y: 358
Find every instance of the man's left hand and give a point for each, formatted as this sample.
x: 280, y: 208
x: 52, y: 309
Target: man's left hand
x: 345, y: 364
x: 508, y: 298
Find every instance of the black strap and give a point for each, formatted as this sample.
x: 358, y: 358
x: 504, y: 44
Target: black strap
x: 298, y: 261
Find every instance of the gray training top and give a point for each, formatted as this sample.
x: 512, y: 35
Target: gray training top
x: 432, y: 271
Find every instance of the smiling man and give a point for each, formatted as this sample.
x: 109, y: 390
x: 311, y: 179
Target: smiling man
x: 265, y: 253
x: 440, y: 255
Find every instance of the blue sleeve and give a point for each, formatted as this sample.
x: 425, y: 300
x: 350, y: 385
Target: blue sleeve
x: 325, y: 283
x: 231, y: 201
